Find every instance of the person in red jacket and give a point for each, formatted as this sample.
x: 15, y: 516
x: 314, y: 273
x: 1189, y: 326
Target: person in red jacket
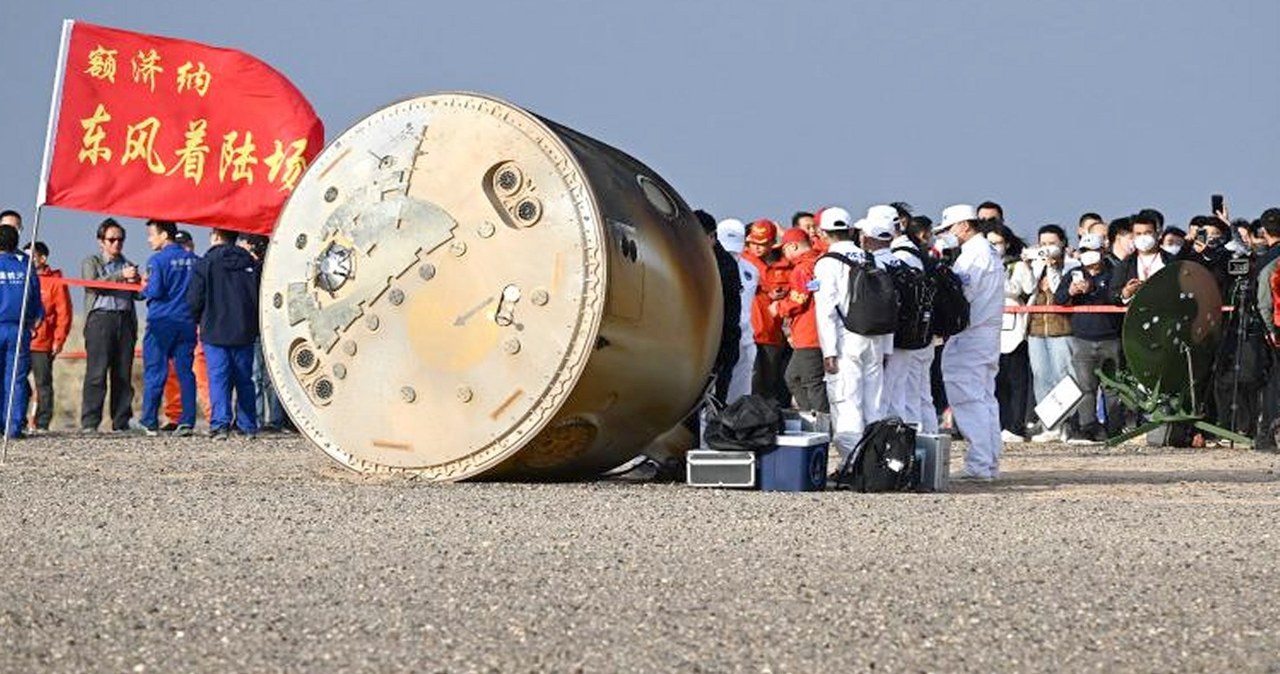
x: 804, y: 373
x: 772, y: 351
x: 49, y: 336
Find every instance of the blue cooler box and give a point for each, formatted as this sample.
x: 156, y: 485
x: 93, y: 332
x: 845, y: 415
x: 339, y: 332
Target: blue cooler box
x: 797, y: 463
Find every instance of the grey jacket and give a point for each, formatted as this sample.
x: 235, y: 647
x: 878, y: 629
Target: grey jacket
x: 94, y: 268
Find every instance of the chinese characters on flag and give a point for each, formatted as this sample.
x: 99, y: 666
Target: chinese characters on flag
x: 154, y: 127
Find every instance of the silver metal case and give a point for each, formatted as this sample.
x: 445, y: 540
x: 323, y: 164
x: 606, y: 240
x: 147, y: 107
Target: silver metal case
x: 714, y: 468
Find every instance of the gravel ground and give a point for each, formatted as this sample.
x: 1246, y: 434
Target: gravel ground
x: 129, y: 554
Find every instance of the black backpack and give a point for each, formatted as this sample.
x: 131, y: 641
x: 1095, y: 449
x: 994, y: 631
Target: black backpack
x: 950, y: 308
x: 916, y: 291
x: 749, y: 424
x: 873, y: 299
x: 885, y: 459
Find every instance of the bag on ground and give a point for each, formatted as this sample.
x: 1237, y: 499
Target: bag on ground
x: 749, y: 424
x: 883, y: 461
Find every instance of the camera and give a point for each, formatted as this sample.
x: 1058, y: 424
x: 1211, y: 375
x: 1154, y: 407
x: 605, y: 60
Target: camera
x: 1238, y: 266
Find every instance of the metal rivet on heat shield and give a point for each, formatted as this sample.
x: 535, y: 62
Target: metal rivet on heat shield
x: 300, y: 242
x: 540, y: 297
x: 349, y: 348
x: 372, y: 322
x: 277, y: 300
x: 340, y: 370
x: 408, y: 394
x: 331, y: 194
x: 511, y: 346
x: 427, y: 272
x: 396, y: 296
x: 464, y: 394
x: 485, y: 230
x: 458, y: 248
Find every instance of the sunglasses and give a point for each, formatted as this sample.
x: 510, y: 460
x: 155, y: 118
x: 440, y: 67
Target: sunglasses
x: 114, y: 239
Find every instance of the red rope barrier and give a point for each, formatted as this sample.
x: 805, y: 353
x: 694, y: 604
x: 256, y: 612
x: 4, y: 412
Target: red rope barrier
x: 86, y: 283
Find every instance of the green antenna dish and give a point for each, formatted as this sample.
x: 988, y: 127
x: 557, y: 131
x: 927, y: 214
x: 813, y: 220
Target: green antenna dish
x: 1170, y: 336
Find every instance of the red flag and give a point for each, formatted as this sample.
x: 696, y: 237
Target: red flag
x: 154, y: 127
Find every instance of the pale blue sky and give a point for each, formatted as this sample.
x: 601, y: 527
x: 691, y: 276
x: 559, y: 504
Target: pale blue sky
x: 758, y: 109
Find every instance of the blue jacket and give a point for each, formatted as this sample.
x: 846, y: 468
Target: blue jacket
x: 224, y: 296
x: 1091, y: 327
x: 13, y: 280
x: 168, y: 275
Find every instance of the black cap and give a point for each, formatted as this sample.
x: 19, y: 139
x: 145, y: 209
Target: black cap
x: 182, y: 236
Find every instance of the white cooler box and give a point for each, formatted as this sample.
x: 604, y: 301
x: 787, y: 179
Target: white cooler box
x: 714, y: 468
x: 933, y: 455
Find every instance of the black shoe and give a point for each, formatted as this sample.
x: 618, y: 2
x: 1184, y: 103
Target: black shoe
x: 219, y: 434
x: 169, y: 427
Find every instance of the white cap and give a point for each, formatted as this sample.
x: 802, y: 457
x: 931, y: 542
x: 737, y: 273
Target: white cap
x: 732, y: 235
x: 877, y: 229
x: 953, y: 214
x: 882, y: 212
x: 1092, y: 242
x: 834, y: 218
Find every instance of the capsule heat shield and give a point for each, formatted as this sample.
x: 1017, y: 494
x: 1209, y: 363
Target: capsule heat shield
x: 459, y: 288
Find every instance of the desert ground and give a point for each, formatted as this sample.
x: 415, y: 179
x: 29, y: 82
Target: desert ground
x: 124, y: 553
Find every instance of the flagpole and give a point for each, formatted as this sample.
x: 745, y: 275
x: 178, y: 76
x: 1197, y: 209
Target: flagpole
x: 55, y: 108
x: 17, y: 347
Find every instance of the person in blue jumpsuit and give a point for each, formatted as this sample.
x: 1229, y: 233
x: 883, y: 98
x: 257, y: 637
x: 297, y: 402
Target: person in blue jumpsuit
x: 14, y: 284
x: 171, y: 328
x: 223, y: 296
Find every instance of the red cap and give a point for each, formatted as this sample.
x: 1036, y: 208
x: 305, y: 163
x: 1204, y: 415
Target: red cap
x: 763, y: 232
x: 795, y: 235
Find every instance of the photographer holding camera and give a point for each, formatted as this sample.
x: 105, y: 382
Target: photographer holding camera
x: 1049, y: 334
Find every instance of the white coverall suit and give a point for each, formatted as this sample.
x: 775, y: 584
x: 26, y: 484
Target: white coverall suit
x: 971, y: 358
x: 740, y: 382
x: 908, y: 389
x: 855, y: 391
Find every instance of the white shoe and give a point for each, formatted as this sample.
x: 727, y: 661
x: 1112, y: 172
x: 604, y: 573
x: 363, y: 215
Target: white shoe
x: 1051, y: 435
x: 1010, y: 436
x: 969, y: 477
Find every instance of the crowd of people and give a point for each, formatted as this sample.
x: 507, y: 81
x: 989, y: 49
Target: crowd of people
x: 200, y: 342
x: 790, y: 295
x: 802, y: 327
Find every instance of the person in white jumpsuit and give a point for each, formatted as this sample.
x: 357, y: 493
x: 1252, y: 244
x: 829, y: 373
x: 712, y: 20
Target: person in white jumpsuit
x: 970, y: 359
x: 732, y: 234
x: 908, y: 393
x: 853, y: 363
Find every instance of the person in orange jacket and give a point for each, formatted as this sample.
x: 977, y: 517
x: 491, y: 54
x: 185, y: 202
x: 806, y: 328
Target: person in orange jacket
x: 808, y: 222
x: 772, y: 351
x: 50, y: 334
x: 804, y: 374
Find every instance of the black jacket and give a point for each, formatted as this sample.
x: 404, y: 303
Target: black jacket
x: 223, y: 296
x: 1127, y: 270
x: 1091, y: 327
x: 730, y: 331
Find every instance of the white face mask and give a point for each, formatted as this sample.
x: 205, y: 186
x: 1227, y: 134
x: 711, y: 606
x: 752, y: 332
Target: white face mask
x: 1145, y: 243
x: 947, y: 240
x: 1090, y: 257
x: 1052, y: 251
x: 1171, y: 249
